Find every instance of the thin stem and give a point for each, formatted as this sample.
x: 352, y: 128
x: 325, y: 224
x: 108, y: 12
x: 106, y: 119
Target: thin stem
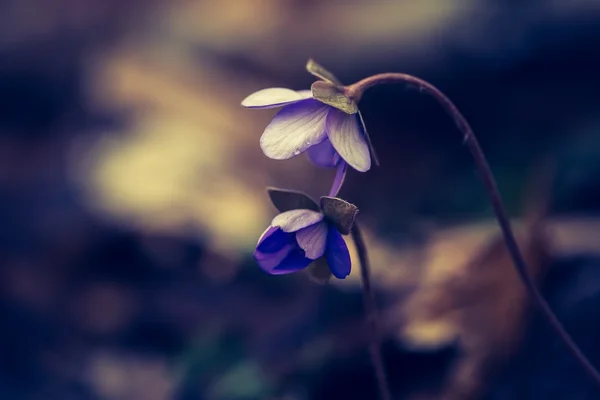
x: 371, y: 313
x: 356, y: 90
x: 338, y: 181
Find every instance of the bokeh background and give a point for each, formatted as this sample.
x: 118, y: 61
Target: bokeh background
x: 132, y: 194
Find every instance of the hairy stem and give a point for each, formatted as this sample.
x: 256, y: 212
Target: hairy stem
x: 371, y: 314
x: 356, y: 90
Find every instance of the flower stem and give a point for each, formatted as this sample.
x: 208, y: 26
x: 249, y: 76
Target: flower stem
x: 356, y: 90
x: 338, y: 181
x: 371, y: 314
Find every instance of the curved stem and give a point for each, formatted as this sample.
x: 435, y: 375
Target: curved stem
x: 338, y: 181
x: 356, y: 90
x: 371, y: 313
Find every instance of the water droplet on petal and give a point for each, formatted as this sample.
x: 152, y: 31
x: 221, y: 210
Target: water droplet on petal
x: 296, y: 152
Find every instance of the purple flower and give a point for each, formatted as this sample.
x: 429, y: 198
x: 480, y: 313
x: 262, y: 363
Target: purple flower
x: 306, y: 124
x: 296, y: 238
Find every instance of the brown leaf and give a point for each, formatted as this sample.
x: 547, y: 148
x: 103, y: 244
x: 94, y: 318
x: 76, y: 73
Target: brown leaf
x: 482, y: 305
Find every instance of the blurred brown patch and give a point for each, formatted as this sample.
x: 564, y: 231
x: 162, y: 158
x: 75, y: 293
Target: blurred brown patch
x: 481, y: 304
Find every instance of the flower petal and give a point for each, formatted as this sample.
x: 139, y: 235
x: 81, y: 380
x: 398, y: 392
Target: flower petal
x: 294, y: 220
x: 323, y: 154
x: 294, y: 261
x: 346, y: 136
x: 305, y: 93
x: 313, y: 240
x: 275, y: 97
x: 268, y: 232
x: 294, y: 129
x: 338, y: 256
x: 269, y: 261
x: 368, y: 137
x: 273, y: 240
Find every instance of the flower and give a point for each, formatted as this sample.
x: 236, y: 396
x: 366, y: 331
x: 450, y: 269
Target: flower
x: 326, y: 133
x: 298, y: 237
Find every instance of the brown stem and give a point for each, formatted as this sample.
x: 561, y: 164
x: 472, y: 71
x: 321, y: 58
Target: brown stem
x: 356, y: 90
x: 371, y: 313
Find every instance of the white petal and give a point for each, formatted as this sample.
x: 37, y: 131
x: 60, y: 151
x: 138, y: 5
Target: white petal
x: 313, y: 240
x: 294, y: 220
x: 369, y: 143
x: 346, y: 136
x: 294, y: 129
x: 275, y: 97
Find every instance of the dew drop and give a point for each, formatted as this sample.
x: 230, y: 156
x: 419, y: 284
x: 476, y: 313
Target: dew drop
x: 296, y: 152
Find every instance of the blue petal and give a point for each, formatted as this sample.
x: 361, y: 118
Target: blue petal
x: 269, y: 261
x: 338, y: 256
x: 294, y: 220
x: 323, y: 154
x: 313, y: 240
x: 347, y: 137
x: 294, y: 129
x: 294, y: 261
x: 275, y: 97
x: 273, y: 240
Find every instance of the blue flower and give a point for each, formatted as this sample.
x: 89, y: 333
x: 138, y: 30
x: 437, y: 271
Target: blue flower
x: 306, y: 124
x: 296, y: 238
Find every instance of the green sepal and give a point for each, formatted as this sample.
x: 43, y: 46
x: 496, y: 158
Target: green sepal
x: 318, y: 271
x: 317, y: 70
x: 334, y: 96
x: 286, y: 200
x: 339, y: 212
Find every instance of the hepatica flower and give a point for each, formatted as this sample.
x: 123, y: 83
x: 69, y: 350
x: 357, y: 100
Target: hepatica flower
x: 326, y: 133
x: 298, y: 237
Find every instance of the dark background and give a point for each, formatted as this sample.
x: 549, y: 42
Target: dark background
x: 132, y: 194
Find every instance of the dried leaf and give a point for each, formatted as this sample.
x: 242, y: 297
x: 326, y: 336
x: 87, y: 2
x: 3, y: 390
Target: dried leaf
x: 480, y: 304
x: 339, y: 212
